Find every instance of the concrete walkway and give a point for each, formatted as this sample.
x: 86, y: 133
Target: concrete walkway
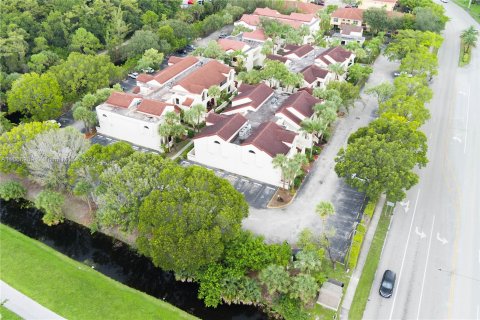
x: 352, y: 285
x: 24, y: 306
x: 179, y: 153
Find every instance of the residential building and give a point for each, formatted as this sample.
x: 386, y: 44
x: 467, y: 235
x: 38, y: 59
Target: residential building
x: 193, y: 89
x: 349, y: 33
x: 132, y: 118
x: 176, y: 67
x: 298, y: 107
x: 249, y: 99
x: 252, y: 55
x: 229, y: 143
x: 353, y: 16
x: 282, y: 59
x: 335, y: 55
x: 256, y: 36
x: 295, y: 52
x: 387, y: 4
x: 316, y: 77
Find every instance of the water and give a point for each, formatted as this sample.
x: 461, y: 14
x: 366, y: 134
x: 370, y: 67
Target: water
x: 116, y: 260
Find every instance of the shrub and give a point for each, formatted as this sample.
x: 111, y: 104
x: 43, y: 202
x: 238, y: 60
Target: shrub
x: 317, y: 150
x: 298, y: 180
x: 190, y: 133
x: 466, y: 57
x: 12, y: 190
x: 51, y: 203
x: 369, y: 209
x: 356, y: 245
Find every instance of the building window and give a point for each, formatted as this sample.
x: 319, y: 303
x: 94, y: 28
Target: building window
x: 355, y: 22
x: 146, y: 127
x: 251, y: 151
x: 177, y: 101
x: 335, y: 19
x: 216, y: 142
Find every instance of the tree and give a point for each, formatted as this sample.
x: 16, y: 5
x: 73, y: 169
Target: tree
x: 469, y: 37
x: 427, y: 20
x: 275, y: 278
x: 407, y: 41
x: 116, y: 32
x: 337, y: 69
x: 51, y: 203
x: 348, y: 92
x: 313, y: 127
x: 13, y: 49
x: 376, y: 19
x: 150, y: 20
x: 12, y: 142
x: 308, y: 261
x: 84, y: 42
x: 382, y: 92
x: 151, y: 59
x: 81, y: 73
x: 88, y: 117
x: 184, y: 226
x: 358, y: 73
x: 36, y: 96
x: 42, y: 61
x: 292, y: 79
x: 280, y: 161
x: 420, y: 62
x: 211, y: 50
x: 304, y: 287
x: 5, y: 124
x: 250, y: 77
x: 11, y: 190
x: 171, y: 128
x: 195, y: 115
x: 141, y: 41
x: 214, y: 92
x: 295, y: 165
x: 326, y: 209
x: 268, y: 47
x: 53, y: 151
x: 380, y: 158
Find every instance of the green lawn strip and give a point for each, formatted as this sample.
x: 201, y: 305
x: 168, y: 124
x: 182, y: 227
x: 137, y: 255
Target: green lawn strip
x: 6, y: 314
x: 474, y: 10
x: 368, y: 274
x: 71, y: 289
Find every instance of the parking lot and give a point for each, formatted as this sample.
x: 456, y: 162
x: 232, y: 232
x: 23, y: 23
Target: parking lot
x: 257, y: 194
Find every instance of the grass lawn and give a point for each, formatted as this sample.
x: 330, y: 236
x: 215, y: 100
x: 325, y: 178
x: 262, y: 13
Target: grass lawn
x: 70, y: 288
x: 474, y: 10
x: 368, y: 274
x: 6, y: 314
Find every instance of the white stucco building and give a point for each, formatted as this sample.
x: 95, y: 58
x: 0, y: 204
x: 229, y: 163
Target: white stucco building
x: 316, y: 77
x: 250, y: 98
x: 252, y: 55
x: 336, y: 55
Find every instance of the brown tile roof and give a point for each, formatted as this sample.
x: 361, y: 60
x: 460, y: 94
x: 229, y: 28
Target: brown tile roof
x: 312, y: 72
x: 188, y: 102
x: 222, y: 125
x: 267, y: 12
x: 174, y: 59
x: 276, y: 57
x: 271, y: 138
x: 255, y: 35
x: 144, y: 78
x: 348, y: 13
x: 257, y: 95
x: 250, y: 19
x: 212, y: 73
x: 136, y: 89
x: 303, y: 7
x: 179, y: 66
x: 228, y: 44
x: 153, y: 107
x: 334, y: 55
x: 349, y: 28
x: 299, y: 51
x: 302, y: 102
x: 121, y: 99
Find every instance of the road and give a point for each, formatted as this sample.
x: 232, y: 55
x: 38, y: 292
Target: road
x: 433, y: 244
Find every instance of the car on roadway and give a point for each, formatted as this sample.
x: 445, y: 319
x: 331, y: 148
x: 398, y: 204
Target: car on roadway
x: 222, y: 35
x: 387, y: 284
x: 444, y: 1
x: 133, y: 75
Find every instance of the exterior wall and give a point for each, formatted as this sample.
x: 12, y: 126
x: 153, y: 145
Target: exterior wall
x: 243, y: 23
x: 345, y: 64
x: 323, y: 82
x: 303, y: 140
x: 338, y: 21
x: 129, y: 129
x: 236, y: 159
x: 365, y: 4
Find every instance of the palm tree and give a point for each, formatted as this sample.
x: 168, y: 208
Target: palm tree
x: 304, y: 287
x: 308, y: 261
x: 214, y: 92
x: 275, y: 278
x: 469, y: 37
x: 337, y: 69
x: 171, y: 127
x: 194, y: 115
x: 325, y: 209
x: 313, y: 126
x: 281, y: 161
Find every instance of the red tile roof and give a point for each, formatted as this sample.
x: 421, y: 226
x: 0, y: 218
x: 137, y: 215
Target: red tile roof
x: 255, y: 35
x: 228, y: 44
x: 136, y: 89
x: 144, y: 78
x: 174, y: 59
x: 303, y: 7
x: 267, y: 12
x: 276, y: 57
x: 348, y: 13
x: 121, y: 99
x: 188, y: 102
x: 212, y: 73
x: 349, y: 28
x: 257, y: 95
x: 302, y: 102
x: 153, y: 107
x: 313, y: 72
x: 334, y: 55
x: 271, y: 138
x: 250, y: 19
x: 180, y: 65
x: 222, y: 125
x: 299, y: 51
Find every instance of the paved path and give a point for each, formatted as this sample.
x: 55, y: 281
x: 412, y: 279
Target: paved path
x: 322, y: 184
x: 352, y: 285
x: 179, y: 153
x: 23, y: 305
x: 433, y: 244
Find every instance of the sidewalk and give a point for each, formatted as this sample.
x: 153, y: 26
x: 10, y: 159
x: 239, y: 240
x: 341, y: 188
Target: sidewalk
x: 179, y: 153
x: 23, y: 305
x: 352, y: 285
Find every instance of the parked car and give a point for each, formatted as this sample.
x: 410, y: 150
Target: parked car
x: 387, y: 284
x: 190, y: 47
x: 133, y: 75
x: 400, y: 73
x: 222, y: 35
x: 444, y: 1
x: 148, y: 70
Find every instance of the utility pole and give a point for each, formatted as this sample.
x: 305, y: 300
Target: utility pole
x: 469, y: 4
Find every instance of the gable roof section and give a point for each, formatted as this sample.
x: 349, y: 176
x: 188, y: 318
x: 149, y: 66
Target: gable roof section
x: 222, y: 125
x: 257, y: 95
x: 255, y: 35
x: 299, y: 51
x: 271, y: 138
x: 153, y: 107
x: 212, y: 73
x: 121, y: 99
x: 347, y: 29
x: 313, y: 72
x: 267, y: 12
x: 250, y: 19
x: 276, y: 57
x: 228, y: 44
x: 303, y: 7
x: 177, y: 68
x: 334, y: 55
x: 302, y: 102
x: 348, y: 13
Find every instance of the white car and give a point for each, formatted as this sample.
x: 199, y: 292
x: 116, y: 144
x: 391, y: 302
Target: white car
x: 133, y: 75
x: 444, y: 1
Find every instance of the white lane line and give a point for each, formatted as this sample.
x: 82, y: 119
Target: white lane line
x: 425, y: 271
x: 466, y: 125
x: 404, y: 254
x: 478, y: 312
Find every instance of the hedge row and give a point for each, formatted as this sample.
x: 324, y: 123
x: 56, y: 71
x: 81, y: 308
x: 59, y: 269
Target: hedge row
x: 356, y: 245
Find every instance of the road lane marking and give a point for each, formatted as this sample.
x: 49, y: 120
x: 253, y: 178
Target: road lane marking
x: 443, y: 241
x: 457, y: 139
x: 425, y: 271
x: 478, y: 312
x: 466, y: 125
x: 421, y: 234
x: 404, y: 255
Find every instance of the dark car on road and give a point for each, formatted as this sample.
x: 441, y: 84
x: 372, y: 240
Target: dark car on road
x: 388, y: 282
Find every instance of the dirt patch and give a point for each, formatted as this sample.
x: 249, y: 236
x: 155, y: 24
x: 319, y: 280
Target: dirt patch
x: 280, y: 199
